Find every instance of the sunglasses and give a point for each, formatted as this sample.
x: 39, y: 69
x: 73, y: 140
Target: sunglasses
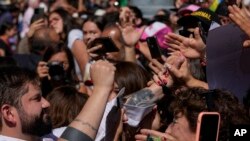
x: 185, y: 33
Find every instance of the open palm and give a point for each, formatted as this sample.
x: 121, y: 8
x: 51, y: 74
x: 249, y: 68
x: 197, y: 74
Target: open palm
x: 189, y: 47
x: 131, y: 35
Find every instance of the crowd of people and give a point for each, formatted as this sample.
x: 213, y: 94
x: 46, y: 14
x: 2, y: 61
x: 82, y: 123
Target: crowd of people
x: 84, y: 70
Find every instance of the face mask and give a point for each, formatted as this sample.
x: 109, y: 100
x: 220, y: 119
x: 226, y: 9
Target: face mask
x: 135, y: 114
x: 138, y: 106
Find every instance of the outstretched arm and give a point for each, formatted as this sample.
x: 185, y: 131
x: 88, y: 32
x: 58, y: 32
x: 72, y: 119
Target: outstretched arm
x: 88, y: 121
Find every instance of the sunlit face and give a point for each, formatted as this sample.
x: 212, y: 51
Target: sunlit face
x: 33, y: 114
x: 56, y: 22
x: 61, y: 57
x: 90, y: 31
x: 180, y: 129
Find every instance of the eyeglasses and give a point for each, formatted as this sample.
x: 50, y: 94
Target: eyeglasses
x: 185, y: 33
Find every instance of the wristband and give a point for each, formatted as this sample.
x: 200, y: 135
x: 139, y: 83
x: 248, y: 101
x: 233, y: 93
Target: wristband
x: 72, y: 134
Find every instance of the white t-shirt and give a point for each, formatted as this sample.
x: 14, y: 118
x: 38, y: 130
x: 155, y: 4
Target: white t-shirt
x: 7, y: 138
x: 58, y: 131
x: 75, y: 34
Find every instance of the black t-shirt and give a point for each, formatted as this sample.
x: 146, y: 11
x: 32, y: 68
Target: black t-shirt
x: 6, y: 48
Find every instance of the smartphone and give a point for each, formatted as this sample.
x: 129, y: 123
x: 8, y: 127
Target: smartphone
x: 39, y: 11
x: 208, y: 125
x: 107, y: 45
x: 154, y: 47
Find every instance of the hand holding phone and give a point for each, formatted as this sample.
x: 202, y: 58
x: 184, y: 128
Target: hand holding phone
x: 107, y: 45
x: 208, y: 125
x: 39, y: 11
x: 154, y: 47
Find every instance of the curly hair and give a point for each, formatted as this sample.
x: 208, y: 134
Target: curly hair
x: 191, y: 102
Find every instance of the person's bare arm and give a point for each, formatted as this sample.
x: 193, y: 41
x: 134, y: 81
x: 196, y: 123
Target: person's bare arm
x: 81, y: 6
x: 88, y: 121
x: 79, y: 51
x: 130, y: 36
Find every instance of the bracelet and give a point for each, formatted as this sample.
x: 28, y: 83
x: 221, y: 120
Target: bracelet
x: 72, y: 134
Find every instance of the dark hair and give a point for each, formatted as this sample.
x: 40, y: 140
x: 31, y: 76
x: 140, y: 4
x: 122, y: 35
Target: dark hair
x: 111, y: 18
x: 37, y: 17
x: 98, y: 20
x: 131, y: 76
x: 68, y: 21
x: 163, y: 18
x: 246, y: 102
x: 196, y: 69
x: 71, y: 77
x: 137, y: 11
x: 40, y: 40
x: 13, y: 84
x: 66, y: 104
x: 61, y: 47
x: 5, y: 26
x: 192, y: 101
x: 7, y: 61
x: 166, y: 12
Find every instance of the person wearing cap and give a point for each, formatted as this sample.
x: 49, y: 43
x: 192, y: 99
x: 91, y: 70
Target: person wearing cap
x: 202, y: 15
x: 227, y: 66
x: 227, y: 55
x: 194, y: 33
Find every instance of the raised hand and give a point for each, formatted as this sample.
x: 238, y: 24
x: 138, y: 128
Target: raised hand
x: 126, y: 17
x: 189, y: 47
x: 242, y: 18
x: 102, y: 74
x: 181, y: 72
x: 35, y: 26
x: 130, y: 34
x: 92, y: 50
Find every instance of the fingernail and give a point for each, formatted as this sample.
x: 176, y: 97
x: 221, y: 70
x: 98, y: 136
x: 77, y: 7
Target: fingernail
x: 168, y: 66
x: 163, y: 139
x: 165, y: 81
x: 166, y: 73
x: 159, y: 82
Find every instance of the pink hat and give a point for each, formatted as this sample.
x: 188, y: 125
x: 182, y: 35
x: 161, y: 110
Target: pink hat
x: 159, y: 30
x: 187, y: 9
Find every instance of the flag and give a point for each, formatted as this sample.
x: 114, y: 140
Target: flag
x: 215, y: 5
x: 123, y: 3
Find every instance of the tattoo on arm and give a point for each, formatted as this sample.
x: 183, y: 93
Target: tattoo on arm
x: 86, y: 123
